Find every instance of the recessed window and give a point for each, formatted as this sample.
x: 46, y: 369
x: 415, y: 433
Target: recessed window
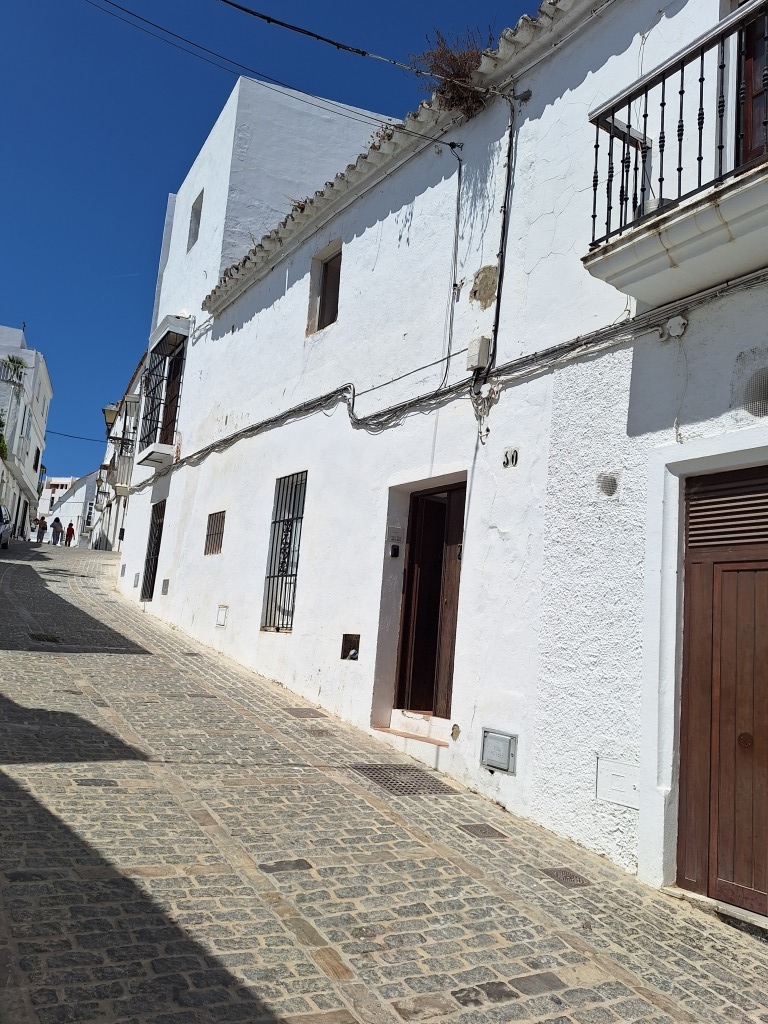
x: 283, y: 561
x: 162, y: 391
x: 37, y: 459
x: 325, y: 278
x: 194, y: 220
x: 214, y: 535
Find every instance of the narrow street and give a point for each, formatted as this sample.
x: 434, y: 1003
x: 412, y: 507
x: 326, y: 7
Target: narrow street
x: 183, y: 842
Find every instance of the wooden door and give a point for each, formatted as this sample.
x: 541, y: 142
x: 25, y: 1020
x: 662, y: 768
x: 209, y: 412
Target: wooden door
x: 723, y: 826
x: 172, y: 391
x: 752, y: 92
x: 430, y: 601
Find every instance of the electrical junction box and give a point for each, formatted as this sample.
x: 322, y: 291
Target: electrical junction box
x: 617, y: 782
x: 499, y: 751
x: 478, y: 353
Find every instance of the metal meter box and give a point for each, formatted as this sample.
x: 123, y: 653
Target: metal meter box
x: 499, y: 751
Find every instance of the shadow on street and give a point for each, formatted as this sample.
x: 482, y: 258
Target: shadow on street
x: 33, y: 617
x: 83, y: 940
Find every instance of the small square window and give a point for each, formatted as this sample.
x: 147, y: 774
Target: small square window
x: 214, y: 535
x: 194, y: 220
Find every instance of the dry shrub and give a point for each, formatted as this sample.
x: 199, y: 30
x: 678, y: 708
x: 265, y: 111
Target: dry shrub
x: 452, y: 60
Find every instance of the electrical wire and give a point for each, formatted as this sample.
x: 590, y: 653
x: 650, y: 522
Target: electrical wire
x: 261, y: 78
x: 77, y: 437
x: 531, y: 365
x: 344, y: 47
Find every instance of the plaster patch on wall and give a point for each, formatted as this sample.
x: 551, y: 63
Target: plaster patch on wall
x: 484, y: 286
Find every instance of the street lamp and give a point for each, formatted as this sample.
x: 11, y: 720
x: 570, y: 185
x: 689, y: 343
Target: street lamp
x: 110, y: 415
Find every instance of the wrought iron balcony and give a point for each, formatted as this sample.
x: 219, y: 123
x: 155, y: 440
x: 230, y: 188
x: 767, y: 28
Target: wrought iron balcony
x: 691, y: 124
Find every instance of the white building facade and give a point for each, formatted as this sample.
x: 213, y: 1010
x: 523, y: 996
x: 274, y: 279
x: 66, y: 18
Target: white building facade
x: 75, y: 504
x: 25, y: 398
x: 478, y: 505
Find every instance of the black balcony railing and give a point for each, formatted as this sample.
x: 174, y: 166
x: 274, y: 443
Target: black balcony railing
x: 692, y: 123
x: 125, y: 443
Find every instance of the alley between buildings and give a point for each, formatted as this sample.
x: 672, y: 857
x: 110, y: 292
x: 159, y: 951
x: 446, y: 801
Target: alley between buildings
x: 184, y: 842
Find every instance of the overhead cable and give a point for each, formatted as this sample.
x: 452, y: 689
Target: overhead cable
x: 351, y: 49
x: 166, y: 35
x: 77, y: 437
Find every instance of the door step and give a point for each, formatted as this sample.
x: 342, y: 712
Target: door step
x: 433, y: 741
x: 712, y: 906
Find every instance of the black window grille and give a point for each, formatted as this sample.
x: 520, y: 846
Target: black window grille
x: 162, y: 388
x: 283, y: 561
x: 214, y: 535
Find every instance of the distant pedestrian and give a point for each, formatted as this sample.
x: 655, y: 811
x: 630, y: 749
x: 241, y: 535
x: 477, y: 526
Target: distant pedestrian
x: 57, y: 529
x: 42, y: 527
x: 70, y: 535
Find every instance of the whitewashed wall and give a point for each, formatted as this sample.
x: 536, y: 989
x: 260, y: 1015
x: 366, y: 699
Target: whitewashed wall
x: 554, y: 604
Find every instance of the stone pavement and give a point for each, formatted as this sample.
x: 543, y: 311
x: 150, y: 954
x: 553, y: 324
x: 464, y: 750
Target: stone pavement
x: 182, y: 842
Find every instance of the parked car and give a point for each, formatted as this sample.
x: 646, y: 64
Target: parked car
x: 5, y: 527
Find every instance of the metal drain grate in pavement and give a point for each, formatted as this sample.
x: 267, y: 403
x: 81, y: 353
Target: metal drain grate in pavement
x: 305, y: 713
x: 570, y: 879
x: 482, y: 831
x: 404, y: 780
x: 45, y: 638
x: 96, y: 782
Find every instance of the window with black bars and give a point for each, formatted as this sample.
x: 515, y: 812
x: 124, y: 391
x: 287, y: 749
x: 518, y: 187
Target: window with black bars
x: 214, y: 535
x: 283, y: 561
x: 162, y: 388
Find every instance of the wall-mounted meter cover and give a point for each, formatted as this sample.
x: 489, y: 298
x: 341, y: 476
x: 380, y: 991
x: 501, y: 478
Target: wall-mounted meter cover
x: 499, y: 751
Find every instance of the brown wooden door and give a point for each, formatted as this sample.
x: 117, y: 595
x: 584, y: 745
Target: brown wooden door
x: 172, y: 392
x: 739, y: 798
x: 723, y: 825
x: 430, y: 601
x: 752, y: 92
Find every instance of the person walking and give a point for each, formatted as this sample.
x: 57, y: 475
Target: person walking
x: 42, y: 527
x: 57, y: 529
x: 70, y: 535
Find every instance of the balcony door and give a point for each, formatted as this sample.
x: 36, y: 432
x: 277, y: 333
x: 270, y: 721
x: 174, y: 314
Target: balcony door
x: 752, y: 91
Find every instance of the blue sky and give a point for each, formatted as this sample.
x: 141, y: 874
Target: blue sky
x: 100, y: 122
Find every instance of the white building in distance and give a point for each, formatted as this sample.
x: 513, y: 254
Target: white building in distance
x: 25, y: 398
x: 470, y: 448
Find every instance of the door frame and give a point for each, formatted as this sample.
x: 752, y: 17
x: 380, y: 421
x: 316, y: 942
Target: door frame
x: 441, y: 701
x: 393, y: 535
x: 659, y: 745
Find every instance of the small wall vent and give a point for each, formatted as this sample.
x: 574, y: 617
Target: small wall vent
x: 136, y: 579
x: 608, y: 485
x: 221, y: 614
x: 756, y: 393
x: 122, y: 569
x: 164, y: 587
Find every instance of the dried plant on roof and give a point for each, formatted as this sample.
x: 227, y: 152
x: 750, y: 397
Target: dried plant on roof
x: 451, y: 61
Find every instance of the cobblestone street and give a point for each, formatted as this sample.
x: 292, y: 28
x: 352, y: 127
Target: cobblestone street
x: 182, y: 842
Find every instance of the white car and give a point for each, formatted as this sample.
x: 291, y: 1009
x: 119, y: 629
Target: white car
x: 5, y: 527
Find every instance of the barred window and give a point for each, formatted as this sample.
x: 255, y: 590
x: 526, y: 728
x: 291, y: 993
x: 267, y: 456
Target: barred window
x: 162, y: 387
x: 283, y: 561
x: 214, y: 535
